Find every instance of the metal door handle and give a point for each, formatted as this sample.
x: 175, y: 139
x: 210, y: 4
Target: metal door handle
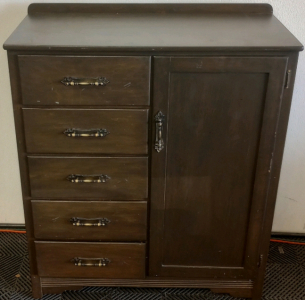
x: 90, y: 262
x: 159, y: 143
x: 97, y: 81
x: 76, y: 178
x: 89, y: 222
x: 74, y: 132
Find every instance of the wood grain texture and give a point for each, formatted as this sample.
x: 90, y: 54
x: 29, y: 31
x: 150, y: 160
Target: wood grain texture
x: 141, y: 30
x: 215, y: 172
x: 41, y: 78
x: 127, y: 220
x: 128, y: 177
x: 218, y: 76
x: 278, y: 150
x: 128, y: 130
x: 126, y: 260
x: 149, y: 282
x: 237, y: 288
x: 25, y: 184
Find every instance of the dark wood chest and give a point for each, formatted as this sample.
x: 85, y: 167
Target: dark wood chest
x: 150, y: 142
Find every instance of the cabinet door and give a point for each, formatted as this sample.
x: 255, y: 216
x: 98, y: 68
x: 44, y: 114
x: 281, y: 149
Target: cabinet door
x: 209, y: 184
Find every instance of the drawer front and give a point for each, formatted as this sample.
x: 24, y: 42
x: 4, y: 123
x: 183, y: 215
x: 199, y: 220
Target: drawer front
x: 122, y: 260
x: 109, y: 178
x: 112, y: 131
x: 126, y: 83
x: 90, y: 220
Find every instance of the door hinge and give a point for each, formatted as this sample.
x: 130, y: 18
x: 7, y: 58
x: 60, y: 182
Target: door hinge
x: 260, y: 260
x: 287, y: 81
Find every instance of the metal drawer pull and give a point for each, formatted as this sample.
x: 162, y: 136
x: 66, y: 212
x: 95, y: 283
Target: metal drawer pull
x: 85, y: 81
x: 159, y: 143
x: 89, y: 222
x: 75, y: 178
x: 74, y: 132
x: 90, y: 262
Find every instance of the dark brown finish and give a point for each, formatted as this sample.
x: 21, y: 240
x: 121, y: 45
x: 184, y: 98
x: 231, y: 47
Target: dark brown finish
x: 44, y: 130
x: 238, y: 289
x: 151, y: 282
x: 36, y: 286
x: 181, y: 27
x: 278, y: 150
x: 128, y: 177
x: 127, y: 220
x: 38, y: 8
x: 211, y: 173
x: 41, y: 80
x: 224, y: 83
x: 234, y: 292
x: 57, y: 259
x: 25, y: 187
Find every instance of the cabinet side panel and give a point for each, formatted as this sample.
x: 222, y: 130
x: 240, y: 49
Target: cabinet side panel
x: 275, y: 174
x: 16, y: 96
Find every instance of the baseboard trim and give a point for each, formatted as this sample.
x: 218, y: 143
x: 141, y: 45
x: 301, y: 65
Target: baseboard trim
x: 12, y: 226
x: 290, y: 234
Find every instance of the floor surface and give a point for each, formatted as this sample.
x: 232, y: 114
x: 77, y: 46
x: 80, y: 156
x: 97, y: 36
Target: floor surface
x: 285, y: 278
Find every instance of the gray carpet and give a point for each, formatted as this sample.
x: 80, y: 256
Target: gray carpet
x: 285, y: 278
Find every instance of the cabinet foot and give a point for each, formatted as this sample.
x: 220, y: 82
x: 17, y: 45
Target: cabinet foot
x: 257, y: 292
x: 36, y: 287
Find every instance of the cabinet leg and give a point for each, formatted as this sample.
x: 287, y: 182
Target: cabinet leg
x: 258, y: 291
x: 36, y: 287
x: 259, y: 282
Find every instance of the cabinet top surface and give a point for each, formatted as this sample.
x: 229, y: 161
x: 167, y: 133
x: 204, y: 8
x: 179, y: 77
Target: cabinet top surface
x: 151, y: 27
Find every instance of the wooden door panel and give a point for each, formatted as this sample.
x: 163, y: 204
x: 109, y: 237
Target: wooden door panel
x: 209, y: 180
x: 217, y: 111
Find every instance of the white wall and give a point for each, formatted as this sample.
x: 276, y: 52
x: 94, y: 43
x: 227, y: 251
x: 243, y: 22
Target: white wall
x: 290, y: 208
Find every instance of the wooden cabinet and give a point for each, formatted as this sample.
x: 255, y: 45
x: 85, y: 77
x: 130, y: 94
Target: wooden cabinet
x: 150, y: 152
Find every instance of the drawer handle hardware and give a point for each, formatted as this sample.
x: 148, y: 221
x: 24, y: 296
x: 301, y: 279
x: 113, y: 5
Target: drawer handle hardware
x: 159, y: 143
x: 74, y: 132
x: 90, y: 262
x: 75, y: 178
x: 89, y: 222
x: 84, y: 81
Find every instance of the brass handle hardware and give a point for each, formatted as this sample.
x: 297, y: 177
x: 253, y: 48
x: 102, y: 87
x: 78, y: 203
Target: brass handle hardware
x: 89, y: 222
x: 90, y: 262
x: 74, y: 132
x: 84, y: 81
x: 75, y: 178
x: 159, y: 143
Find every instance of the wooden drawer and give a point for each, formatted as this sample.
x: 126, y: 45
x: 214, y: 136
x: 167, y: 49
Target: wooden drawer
x: 41, y: 77
x: 127, y: 260
x: 121, y: 131
x: 126, y: 177
x: 107, y: 221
